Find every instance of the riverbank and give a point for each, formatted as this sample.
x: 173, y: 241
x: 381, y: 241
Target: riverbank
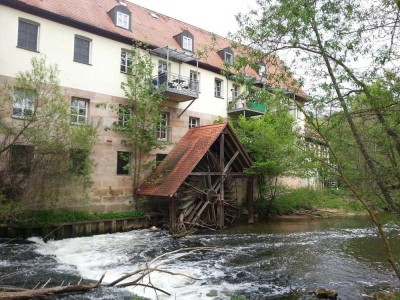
x: 314, y: 203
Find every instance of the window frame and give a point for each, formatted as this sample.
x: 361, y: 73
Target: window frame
x: 26, y: 97
x: 162, y: 127
x: 218, y: 87
x: 125, y: 62
x: 125, y: 19
x: 228, y: 57
x: 121, y: 168
x: 78, y: 56
x: 187, y: 43
x: 86, y: 116
x: 21, y: 43
x: 194, y: 122
x: 159, y: 158
x: 124, y: 114
x: 194, y: 77
x: 235, y: 91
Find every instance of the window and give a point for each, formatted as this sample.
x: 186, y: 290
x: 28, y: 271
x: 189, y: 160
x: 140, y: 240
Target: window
x: 162, y: 127
x: 235, y: 91
x: 78, y: 159
x: 187, y: 43
x: 194, y: 84
x: 229, y: 58
x: 126, y: 61
x: 123, y: 162
x: 82, y: 50
x: 162, y: 67
x: 159, y: 158
x: 294, y: 111
x: 21, y: 158
x: 124, y: 114
x: 23, y: 105
x: 28, y: 35
x: 194, y: 122
x: 79, y: 110
x: 122, y: 20
x: 218, y: 88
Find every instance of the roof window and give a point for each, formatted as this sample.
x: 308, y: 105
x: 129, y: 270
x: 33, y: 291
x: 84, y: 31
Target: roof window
x: 185, y: 40
x: 121, y: 16
x: 227, y: 55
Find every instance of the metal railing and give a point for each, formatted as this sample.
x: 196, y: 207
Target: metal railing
x: 176, y: 83
x: 243, y: 103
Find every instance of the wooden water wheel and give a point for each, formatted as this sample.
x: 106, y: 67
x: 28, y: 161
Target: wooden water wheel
x: 200, y: 178
x: 202, y: 201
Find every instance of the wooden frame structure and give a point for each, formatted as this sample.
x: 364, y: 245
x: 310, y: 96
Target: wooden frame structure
x: 199, y: 176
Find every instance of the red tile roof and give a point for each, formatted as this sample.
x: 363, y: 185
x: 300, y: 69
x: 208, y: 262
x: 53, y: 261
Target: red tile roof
x: 156, y: 31
x: 183, y: 158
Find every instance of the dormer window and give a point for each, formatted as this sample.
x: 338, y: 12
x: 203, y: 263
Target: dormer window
x: 122, y: 20
x: 185, y: 40
x: 229, y: 58
x: 227, y: 55
x: 187, y: 43
x: 121, y: 16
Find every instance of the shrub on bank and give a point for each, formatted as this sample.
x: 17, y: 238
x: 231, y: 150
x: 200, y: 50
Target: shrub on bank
x: 304, y: 199
x: 43, y: 217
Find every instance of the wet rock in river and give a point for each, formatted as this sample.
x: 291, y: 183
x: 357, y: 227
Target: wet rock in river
x: 326, y: 293
x: 384, y: 296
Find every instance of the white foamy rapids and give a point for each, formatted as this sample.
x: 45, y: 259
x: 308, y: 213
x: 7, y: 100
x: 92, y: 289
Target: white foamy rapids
x: 125, y: 252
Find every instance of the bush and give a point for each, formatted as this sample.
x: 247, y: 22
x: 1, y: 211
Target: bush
x: 296, y: 200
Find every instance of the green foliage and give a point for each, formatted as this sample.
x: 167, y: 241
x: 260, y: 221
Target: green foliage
x: 35, y: 117
x: 238, y: 297
x: 36, y: 218
x: 271, y: 140
x: 273, y: 143
x: 297, y: 200
x: 140, y: 117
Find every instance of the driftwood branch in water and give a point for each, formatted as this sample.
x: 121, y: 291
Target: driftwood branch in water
x: 29, y: 294
x: 14, y: 293
x: 150, y: 268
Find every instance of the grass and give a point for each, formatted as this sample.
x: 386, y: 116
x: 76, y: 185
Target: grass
x: 304, y: 199
x: 43, y: 217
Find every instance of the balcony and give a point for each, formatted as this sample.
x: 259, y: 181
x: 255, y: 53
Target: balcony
x: 176, y: 87
x: 245, y: 107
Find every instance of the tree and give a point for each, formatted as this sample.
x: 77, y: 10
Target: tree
x: 37, y: 139
x: 344, y: 47
x: 140, y: 119
x: 273, y: 142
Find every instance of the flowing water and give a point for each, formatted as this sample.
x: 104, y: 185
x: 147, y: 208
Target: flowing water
x: 270, y: 260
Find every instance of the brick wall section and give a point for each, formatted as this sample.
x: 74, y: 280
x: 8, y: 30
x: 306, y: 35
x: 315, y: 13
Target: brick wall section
x: 111, y: 192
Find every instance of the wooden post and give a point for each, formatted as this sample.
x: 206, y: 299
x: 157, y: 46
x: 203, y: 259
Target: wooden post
x: 220, y: 212
x: 172, y: 214
x: 250, y: 199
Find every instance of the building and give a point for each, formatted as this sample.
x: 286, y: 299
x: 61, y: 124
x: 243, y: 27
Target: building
x: 90, y: 40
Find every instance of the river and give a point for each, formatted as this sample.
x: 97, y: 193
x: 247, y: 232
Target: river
x: 269, y: 260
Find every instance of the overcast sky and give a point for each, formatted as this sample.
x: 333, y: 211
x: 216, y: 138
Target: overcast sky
x: 217, y: 16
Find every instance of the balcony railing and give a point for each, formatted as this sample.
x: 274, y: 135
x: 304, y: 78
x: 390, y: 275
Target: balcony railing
x: 177, y: 87
x: 246, y: 107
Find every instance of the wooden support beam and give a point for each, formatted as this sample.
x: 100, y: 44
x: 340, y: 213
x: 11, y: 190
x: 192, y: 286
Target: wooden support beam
x: 231, y: 161
x: 236, y: 174
x: 220, y: 213
x: 172, y: 214
x: 250, y: 199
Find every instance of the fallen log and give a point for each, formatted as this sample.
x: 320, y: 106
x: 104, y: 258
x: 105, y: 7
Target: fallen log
x: 17, y: 293
x: 42, y: 292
